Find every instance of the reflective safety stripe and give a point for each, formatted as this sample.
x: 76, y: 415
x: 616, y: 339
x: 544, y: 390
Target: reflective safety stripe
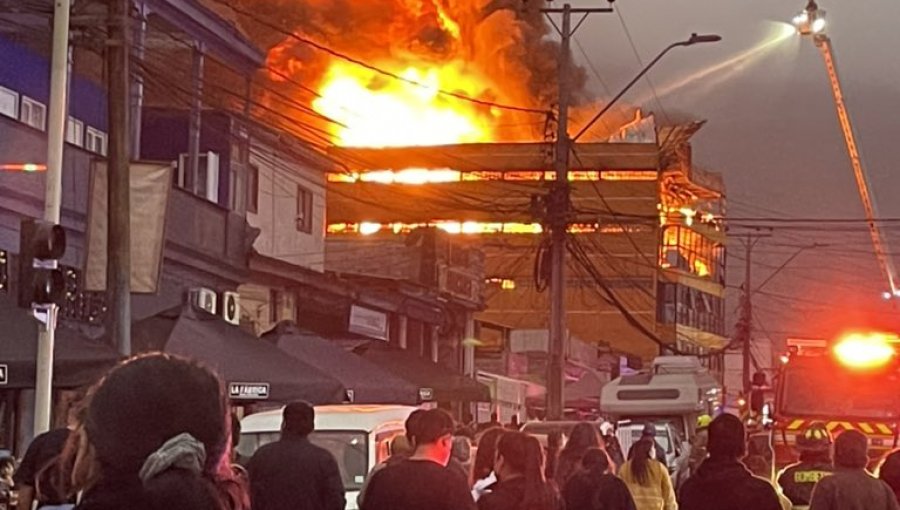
x: 809, y: 476
x: 795, y: 425
x: 884, y: 429
x: 866, y: 428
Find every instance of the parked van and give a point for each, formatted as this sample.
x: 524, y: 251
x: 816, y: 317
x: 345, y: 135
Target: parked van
x: 357, y: 435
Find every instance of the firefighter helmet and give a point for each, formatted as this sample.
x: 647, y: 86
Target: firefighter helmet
x: 703, y: 421
x: 816, y: 437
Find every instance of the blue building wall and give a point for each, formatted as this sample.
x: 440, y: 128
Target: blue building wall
x: 27, y: 72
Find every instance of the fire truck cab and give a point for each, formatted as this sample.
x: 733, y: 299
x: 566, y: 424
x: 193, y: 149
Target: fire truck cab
x: 850, y: 384
x: 672, y: 394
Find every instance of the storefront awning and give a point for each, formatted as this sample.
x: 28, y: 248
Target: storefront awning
x: 435, y: 382
x: 252, y: 369
x: 79, y: 360
x: 366, y: 382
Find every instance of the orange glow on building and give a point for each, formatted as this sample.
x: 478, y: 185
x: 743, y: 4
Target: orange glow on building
x: 475, y: 228
x: 419, y: 176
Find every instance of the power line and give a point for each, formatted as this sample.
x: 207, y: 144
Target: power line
x: 637, y: 55
x: 373, y: 68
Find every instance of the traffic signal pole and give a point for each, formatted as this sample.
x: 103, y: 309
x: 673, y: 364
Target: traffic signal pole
x: 56, y: 135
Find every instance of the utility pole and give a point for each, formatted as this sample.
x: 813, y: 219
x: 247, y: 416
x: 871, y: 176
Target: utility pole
x: 118, y: 175
x: 56, y: 136
x: 558, y: 213
x: 745, y: 329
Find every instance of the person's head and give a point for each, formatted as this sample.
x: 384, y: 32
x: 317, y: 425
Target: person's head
x: 143, y: 411
x: 584, y: 436
x: 495, y: 417
x: 814, y: 444
x: 462, y: 449
x: 411, y: 422
x: 703, y: 421
x: 467, y: 418
x: 298, y: 419
x: 642, y: 454
x: 401, y: 445
x: 554, y: 440
x: 434, y: 436
x: 521, y: 455
x: 486, y: 453
x: 7, y: 467
x: 851, y: 450
x: 727, y: 437
x: 649, y: 430
x: 514, y: 421
x: 889, y: 470
x: 596, y: 461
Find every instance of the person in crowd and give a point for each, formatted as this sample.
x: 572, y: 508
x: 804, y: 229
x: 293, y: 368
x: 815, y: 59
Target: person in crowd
x: 595, y: 487
x: 401, y: 448
x: 698, y: 443
x: 521, y: 484
x: 423, y: 481
x: 797, y: 480
x: 514, y: 423
x: 889, y: 471
x: 554, y: 445
x: 40, y: 463
x: 649, y: 433
x: 461, y: 456
x: 483, y: 475
x: 7, y: 485
x: 495, y: 422
x: 155, y: 437
x: 293, y: 473
x: 760, y: 468
x: 612, y: 445
x: 722, y: 482
x: 647, y: 479
x: 584, y: 437
x: 851, y: 487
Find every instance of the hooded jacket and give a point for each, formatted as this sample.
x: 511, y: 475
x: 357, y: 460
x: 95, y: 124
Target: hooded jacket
x: 657, y: 494
x: 852, y: 489
x: 725, y: 484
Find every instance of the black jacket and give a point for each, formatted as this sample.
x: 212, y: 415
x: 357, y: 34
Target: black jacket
x: 294, y: 474
x: 722, y: 484
x: 510, y: 495
x: 586, y: 491
x: 797, y: 480
x: 852, y: 489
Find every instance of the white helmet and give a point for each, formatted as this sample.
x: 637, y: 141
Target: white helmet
x: 607, y: 428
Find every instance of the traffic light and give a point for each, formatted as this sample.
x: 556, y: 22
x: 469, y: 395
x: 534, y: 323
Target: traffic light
x: 41, y: 245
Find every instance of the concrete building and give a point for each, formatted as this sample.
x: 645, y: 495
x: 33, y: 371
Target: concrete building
x: 646, y: 272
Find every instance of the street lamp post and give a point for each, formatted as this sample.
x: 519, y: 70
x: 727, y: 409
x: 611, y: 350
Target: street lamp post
x: 694, y: 39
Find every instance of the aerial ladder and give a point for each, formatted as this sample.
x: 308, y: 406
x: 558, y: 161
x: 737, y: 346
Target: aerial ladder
x: 811, y: 22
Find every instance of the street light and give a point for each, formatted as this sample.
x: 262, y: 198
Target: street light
x: 694, y: 39
x: 810, y: 21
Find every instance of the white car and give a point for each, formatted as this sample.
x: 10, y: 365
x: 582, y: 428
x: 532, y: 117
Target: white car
x: 357, y: 435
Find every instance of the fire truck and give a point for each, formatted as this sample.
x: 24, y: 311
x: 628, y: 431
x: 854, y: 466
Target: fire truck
x: 849, y: 384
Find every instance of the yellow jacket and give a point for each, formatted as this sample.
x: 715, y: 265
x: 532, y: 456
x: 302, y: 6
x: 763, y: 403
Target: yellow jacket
x: 658, y: 494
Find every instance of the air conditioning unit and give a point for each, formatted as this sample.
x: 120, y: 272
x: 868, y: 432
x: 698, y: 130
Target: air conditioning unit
x: 231, y: 307
x: 460, y: 284
x: 204, y: 299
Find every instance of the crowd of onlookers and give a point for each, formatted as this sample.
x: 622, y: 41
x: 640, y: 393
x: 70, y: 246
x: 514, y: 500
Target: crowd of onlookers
x: 157, y: 433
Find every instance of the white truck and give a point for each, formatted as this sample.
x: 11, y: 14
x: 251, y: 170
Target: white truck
x: 671, y: 395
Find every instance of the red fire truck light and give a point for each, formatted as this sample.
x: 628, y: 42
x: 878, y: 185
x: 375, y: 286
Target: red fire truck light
x: 872, y: 350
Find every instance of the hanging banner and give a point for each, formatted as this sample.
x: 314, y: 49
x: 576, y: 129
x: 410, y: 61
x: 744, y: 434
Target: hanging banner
x: 151, y: 185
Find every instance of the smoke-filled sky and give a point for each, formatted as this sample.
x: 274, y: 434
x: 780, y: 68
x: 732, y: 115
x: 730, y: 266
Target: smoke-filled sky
x: 774, y: 134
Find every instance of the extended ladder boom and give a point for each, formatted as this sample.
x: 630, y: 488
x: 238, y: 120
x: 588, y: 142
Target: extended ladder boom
x: 862, y: 180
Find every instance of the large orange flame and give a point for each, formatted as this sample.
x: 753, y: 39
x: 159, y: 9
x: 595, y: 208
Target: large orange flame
x: 378, y: 111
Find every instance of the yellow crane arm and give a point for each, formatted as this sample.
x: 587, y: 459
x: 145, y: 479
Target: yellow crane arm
x: 862, y: 180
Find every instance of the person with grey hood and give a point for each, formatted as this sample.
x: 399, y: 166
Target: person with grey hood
x: 851, y: 487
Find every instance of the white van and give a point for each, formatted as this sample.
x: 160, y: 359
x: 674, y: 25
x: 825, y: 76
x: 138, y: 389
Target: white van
x: 357, y: 436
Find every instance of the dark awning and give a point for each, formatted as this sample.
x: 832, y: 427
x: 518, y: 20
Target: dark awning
x: 366, y: 382
x: 241, y: 359
x: 434, y: 381
x: 78, y: 359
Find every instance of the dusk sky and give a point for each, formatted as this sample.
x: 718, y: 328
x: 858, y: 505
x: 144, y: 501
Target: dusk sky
x: 773, y: 132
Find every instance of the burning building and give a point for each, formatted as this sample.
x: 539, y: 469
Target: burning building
x: 436, y: 114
